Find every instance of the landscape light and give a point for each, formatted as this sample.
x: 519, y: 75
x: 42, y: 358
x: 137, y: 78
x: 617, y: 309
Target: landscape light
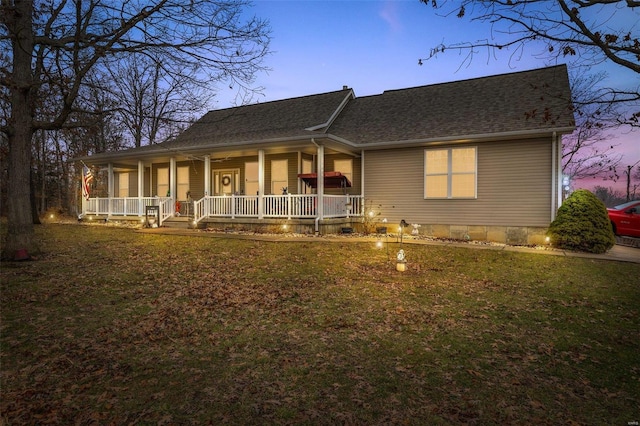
x: 401, y: 261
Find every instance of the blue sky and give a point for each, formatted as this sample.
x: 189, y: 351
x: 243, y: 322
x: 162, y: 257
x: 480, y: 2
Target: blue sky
x: 374, y: 45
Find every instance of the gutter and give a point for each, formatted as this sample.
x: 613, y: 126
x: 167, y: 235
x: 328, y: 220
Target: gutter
x: 450, y: 139
x: 159, y: 151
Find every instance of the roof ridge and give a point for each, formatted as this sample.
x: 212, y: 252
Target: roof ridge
x: 283, y: 100
x: 486, y: 77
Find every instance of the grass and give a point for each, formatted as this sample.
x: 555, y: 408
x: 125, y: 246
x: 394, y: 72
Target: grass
x: 116, y: 327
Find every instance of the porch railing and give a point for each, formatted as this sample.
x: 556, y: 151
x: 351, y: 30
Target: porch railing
x: 273, y: 206
x: 128, y: 206
x: 277, y: 206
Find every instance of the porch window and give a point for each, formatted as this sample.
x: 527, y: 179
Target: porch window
x: 450, y: 173
x: 251, y: 178
x: 345, y: 167
x: 182, y: 182
x: 307, y: 167
x: 279, y: 176
x: 123, y: 185
x: 163, y: 182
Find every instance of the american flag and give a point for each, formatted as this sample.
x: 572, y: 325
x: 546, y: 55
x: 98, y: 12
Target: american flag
x: 87, y: 176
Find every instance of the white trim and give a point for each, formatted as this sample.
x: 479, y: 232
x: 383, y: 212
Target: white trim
x: 450, y: 174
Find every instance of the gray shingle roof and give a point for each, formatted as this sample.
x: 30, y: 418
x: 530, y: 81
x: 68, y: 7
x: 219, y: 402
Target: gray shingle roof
x: 528, y: 102
x: 509, y: 103
x: 282, y: 119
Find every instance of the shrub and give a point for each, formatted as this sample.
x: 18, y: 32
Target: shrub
x: 582, y: 223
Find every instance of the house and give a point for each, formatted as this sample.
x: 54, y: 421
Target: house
x: 475, y: 159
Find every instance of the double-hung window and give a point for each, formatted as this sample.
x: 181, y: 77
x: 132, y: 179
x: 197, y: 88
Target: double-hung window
x: 450, y: 172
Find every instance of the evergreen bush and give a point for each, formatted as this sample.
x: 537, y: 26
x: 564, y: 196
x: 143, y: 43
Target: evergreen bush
x: 582, y: 223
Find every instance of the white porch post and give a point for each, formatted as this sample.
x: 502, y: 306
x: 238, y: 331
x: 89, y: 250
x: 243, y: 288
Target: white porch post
x: 320, y: 212
x: 172, y: 178
x: 207, y: 175
x: 110, y: 186
x: 362, y: 173
x: 260, y: 183
x: 299, y: 189
x: 362, y: 177
x: 140, y: 187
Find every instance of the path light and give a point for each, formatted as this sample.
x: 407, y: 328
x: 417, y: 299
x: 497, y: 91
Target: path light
x: 382, y: 230
x: 401, y: 261
x: 403, y: 224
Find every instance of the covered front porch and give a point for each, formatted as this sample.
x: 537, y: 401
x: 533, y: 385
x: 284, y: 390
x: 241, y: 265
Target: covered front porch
x: 308, y: 180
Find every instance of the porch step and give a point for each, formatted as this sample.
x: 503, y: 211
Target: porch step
x: 180, y: 222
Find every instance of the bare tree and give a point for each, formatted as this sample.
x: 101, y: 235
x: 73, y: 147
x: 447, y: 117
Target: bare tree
x: 588, y: 152
x: 608, y: 196
x: 55, y: 45
x: 153, y: 102
x: 587, y: 33
x: 629, y: 173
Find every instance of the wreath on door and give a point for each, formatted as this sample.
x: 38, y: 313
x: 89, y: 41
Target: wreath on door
x: 226, y: 180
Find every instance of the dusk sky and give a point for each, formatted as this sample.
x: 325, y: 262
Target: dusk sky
x: 373, y: 46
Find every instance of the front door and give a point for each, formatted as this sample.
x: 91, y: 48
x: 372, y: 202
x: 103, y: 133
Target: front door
x: 225, y: 182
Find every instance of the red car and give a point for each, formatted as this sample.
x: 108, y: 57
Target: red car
x: 625, y: 219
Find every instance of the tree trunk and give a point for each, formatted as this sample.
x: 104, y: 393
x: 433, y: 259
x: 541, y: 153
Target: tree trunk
x: 20, y: 230
x: 35, y: 217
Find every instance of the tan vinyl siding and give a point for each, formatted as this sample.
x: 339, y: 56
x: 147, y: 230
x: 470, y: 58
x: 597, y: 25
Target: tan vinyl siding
x: 196, y: 177
x: 133, y: 183
x: 356, y: 169
x: 514, y: 186
x: 154, y: 188
x: 147, y: 182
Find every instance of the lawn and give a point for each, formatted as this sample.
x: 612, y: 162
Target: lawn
x: 111, y: 326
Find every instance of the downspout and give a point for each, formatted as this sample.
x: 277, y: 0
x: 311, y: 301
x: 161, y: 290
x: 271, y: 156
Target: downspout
x: 320, y: 186
x: 362, y: 175
x: 555, y: 177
